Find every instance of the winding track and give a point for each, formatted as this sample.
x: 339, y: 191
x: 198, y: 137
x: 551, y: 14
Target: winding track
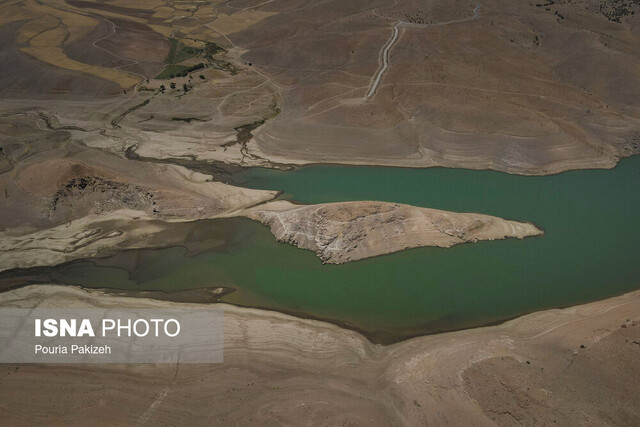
x: 385, y: 59
x: 384, y: 52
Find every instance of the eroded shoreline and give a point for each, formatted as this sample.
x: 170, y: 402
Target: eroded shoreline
x: 203, y: 231
x: 277, y: 365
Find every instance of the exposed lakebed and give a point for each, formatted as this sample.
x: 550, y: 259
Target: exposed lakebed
x: 589, y: 251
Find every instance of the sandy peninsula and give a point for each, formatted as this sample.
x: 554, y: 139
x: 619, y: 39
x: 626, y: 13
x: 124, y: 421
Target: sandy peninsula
x: 575, y: 365
x: 349, y: 231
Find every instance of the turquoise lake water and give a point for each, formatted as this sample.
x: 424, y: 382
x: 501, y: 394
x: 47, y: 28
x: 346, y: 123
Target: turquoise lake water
x: 590, y: 250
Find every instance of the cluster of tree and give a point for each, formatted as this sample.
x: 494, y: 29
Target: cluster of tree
x: 421, y: 17
x: 188, y: 70
x: 185, y: 87
x: 614, y: 10
x: 212, y: 49
x: 549, y: 3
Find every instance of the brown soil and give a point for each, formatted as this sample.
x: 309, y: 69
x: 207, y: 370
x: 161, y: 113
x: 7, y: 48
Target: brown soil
x: 139, y: 43
x: 599, y: 383
x: 571, y: 366
x: 26, y: 77
x: 127, y: 11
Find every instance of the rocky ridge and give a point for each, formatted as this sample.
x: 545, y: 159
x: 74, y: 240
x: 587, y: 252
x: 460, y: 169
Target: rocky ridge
x: 349, y: 231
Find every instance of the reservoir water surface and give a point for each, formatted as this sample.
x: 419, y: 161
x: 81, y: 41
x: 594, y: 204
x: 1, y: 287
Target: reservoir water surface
x: 590, y: 251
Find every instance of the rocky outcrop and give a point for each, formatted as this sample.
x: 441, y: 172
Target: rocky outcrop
x: 65, y: 201
x: 349, y: 231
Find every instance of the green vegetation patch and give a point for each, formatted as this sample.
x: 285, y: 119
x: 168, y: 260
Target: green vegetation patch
x: 175, y: 46
x: 186, y: 52
x: 212, y: 49
x: 179, y: 52
x: 171, y: 71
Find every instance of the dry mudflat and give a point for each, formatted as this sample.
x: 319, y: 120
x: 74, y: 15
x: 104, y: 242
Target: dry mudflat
x: 567, y: 366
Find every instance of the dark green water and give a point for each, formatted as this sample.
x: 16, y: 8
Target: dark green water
x: 590, y: 250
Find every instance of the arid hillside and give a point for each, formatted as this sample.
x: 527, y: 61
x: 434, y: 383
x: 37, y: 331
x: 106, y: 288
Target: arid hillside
x: 520, y: 87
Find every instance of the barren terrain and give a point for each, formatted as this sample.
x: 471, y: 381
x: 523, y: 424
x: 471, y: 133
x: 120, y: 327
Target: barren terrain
x: 63, y: 200
x: 349, y: 231
x: 570, y: 366
x: 120, y: 121
x: 503, y: 85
